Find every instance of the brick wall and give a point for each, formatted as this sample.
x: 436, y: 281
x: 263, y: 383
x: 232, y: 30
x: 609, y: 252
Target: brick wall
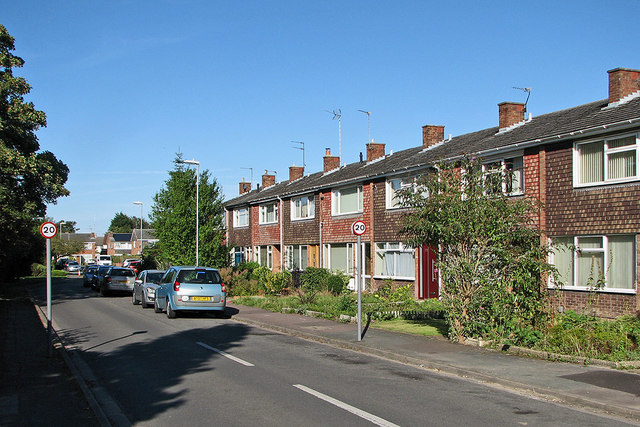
x: 264, y: 234
x: 387, y: 222
x: 301, y: 232
x: 601, y: 304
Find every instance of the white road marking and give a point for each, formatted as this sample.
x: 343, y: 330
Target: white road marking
x: 227, y: 355
x: 362, y: 414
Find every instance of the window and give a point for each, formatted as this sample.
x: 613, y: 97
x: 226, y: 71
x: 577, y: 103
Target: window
x: 347, y: 200
x: 609, y: 160
x: 393, y: 187
x: 296, y: 257
x: 504, y: 176
x: 339, y: 258
x: 264, y: 256
x: 241, y: 217
x: 269, y: 213
x: 395, y: 260
x: 584, y: 261
x: 303, y: 207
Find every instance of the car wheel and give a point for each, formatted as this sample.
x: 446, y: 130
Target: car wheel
x: 134, y: 300
x: 156, y: 308
x: 171, y: 313
x: 103, y: 291
x: 143, y: 301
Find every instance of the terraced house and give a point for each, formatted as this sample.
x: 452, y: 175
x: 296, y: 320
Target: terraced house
x: 581, y: 163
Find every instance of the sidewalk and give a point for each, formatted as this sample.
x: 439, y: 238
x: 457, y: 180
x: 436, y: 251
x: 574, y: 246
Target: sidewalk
x: 597, y: 389
x: 35, y: 389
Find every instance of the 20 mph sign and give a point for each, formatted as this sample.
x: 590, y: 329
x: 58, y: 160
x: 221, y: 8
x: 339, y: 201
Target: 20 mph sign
x: 359, y: 228
x: 48, y: 230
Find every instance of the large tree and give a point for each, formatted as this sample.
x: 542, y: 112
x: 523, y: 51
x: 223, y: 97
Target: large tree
x: 122, y: 223
x: 173, y: 216
x: 490, y: 255
x: 29, y: 178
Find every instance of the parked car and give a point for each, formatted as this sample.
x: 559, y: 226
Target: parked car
x: 117, y: 279
x: 144, y: 288
x: 89, y: 272
x: 135, y: 265
x: 126, y: 262
x: 99, y: 276
x: 72, y: 267
x: 104, y: 260
x: 190, y: 288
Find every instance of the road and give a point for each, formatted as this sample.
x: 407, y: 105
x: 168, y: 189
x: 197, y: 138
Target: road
x: 202, y: 370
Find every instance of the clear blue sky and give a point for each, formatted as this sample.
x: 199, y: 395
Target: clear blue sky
x: 127, y: 84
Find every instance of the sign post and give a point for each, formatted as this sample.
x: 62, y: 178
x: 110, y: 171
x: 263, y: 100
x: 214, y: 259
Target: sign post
x: 48, y: 231
x: 359, y: 228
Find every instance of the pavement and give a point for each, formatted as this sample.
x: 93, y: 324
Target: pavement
x: 37, y: 388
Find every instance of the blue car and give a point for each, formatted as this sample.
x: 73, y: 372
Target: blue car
x: 190, y: 288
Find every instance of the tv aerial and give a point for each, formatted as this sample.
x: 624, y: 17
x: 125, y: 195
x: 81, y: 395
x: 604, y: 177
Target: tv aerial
x: 304, y: 164
x: 524, y: 89
x: 368, y: 113
x: 338, y: 114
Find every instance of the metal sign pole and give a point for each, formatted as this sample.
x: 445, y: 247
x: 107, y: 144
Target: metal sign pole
x: 359, y: 285
x: 50, y: 345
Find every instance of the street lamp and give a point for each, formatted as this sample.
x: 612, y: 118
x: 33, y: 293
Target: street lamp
x: 197, y: 163
x: 60, y: 228
x: 140, y: 203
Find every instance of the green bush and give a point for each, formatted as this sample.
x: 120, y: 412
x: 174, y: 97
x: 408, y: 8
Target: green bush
x: 58, y: 273
x: 315, y: 279
x: 275, y: 283
x: 337, y: 283
x: 38, y: 270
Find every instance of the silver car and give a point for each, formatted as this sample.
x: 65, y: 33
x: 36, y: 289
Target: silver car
x: 190, y: 288
x: 117, y: 279
x: 144, y: 288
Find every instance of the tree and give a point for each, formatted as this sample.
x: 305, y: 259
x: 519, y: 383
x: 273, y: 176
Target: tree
x: 29, y: 179
x: 68, y: 227
x: 122, y: 223
x: 63, y: 247
x: 173, y: 216
x: 490, y: 256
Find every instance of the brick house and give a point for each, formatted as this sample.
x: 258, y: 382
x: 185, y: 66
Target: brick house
x: 581, y: 163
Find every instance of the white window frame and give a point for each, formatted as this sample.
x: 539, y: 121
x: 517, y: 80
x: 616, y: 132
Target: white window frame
x: 336, y: 196
x: 296, y: 207
x: 392, y: 199
x: 268, y: 256
x: 350, y: 261
x: 264, y: 213
x: 605, y: 251
x: 293, y: 253
x: 384, y: 247
x: 504, y: 170
x: 237, y: 217
x: 607, y: 152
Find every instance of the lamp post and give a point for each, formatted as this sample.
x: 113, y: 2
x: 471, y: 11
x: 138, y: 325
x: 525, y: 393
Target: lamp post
x: 60, y: 228
x: 197, y: 163
x: 140, y: 203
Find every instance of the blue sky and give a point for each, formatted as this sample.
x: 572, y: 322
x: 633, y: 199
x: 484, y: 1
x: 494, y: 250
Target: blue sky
x: 127, y: 84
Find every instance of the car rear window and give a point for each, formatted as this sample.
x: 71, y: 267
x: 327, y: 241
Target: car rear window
x: 123, y: 272
x: 199, y: 276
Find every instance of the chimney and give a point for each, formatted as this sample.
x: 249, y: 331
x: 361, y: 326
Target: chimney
x: 268, y: 180
x: 375, y: 150
x: 622, y: 82
x: 330, y: 162
x: 245, y: 187
x: 295, y: 172
x: 431, y: 135
x: 511, y: 113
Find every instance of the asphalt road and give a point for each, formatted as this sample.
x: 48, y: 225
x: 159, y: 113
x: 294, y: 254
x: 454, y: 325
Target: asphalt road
x: 202, y: 370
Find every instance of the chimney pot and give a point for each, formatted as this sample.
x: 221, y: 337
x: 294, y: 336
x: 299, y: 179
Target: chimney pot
x: 622, y: 82
x: 330, y: 162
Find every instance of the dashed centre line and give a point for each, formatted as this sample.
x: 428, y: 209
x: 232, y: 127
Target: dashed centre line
x: 225, y: 354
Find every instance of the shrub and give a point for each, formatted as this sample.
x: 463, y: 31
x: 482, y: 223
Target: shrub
x: 38, y: 270
x: 275, y: 283
x: 337, y: 284
x: 315, y: 279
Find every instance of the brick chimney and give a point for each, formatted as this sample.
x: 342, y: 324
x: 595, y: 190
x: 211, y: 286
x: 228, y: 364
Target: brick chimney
x: 375, y: 150
x: 330, y: 162
x: 245, y: 187
x: 511, y: 113
x: 295, y: 172
x: 622, y: 82
x: 268, y: 180
x: 431, y: 135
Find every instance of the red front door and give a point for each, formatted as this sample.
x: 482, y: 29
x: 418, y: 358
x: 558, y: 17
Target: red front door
x: 429, y: 280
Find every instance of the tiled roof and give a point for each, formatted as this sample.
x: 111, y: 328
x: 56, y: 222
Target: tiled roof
x: 539, y: 130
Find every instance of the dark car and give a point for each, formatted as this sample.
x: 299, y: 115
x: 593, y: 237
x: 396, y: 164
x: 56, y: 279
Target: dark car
x: 98, y: 277
x: 89, y: 272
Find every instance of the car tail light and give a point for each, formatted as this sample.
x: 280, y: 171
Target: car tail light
x: 108, y: 279
x: 224, y: 287
x: 176, y: 286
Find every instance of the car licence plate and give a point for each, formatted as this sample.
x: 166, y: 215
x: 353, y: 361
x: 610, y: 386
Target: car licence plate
x: 200, y: 298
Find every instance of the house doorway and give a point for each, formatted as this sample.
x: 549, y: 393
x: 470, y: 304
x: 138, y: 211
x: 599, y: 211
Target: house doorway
x: 429, y: 283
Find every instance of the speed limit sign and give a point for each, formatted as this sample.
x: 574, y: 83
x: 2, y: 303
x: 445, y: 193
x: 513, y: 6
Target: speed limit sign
x: 48, y: 230
x: 359, y: 228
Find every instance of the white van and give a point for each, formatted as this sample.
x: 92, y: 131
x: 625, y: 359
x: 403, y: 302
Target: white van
x: 104, y: 259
